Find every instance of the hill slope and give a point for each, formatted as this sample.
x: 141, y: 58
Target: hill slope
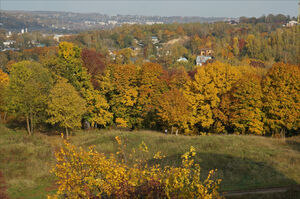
x: 243, y: 162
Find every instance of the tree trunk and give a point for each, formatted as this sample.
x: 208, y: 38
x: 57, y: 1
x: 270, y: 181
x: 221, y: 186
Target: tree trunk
x: 4, y: 117
x: 31, y: 122
x: 28, y: 125
x: 67, y: 133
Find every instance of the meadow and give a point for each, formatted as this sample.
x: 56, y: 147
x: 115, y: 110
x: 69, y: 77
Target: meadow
x: 243, y: 162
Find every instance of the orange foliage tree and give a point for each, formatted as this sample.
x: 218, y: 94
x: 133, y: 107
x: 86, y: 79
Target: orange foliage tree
x: 246, y: 115
x: 174, y: 111
x: 4, y: 81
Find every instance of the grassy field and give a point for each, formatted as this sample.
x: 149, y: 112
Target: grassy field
x: 243, y: 162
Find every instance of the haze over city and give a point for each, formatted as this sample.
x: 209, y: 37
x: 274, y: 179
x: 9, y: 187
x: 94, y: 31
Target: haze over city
x: 203, y: 8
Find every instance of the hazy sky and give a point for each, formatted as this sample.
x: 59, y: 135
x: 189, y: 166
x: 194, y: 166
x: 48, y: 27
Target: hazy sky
x: 205, y: 8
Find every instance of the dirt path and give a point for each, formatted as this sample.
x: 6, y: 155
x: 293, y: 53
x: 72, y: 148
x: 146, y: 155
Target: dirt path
x: 261, y: 191
x: 3, y: 194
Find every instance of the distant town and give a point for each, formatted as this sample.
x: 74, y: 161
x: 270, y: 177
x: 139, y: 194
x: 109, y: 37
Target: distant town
x: 69, y: 22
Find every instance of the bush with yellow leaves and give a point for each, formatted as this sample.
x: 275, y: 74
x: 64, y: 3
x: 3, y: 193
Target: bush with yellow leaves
x: 90, y: 174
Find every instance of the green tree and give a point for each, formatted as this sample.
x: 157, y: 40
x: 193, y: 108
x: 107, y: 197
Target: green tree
x: 28, y: 91
x: 65, y: 106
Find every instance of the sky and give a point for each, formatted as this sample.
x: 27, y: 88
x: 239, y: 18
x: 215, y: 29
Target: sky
x: 202, y: 8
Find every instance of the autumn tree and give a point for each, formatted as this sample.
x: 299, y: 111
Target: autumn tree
x: 174, y: 110
x: 69, y: 65
x: 150, y: 89
x: 94, y: 62
x: 97, y: 112
x: 281, y: 99
x: 246, y: 115
x: 205, y: 92
x: 28, y: 91
x: 4, y: 81
x: 176, y: 78
x: 120, y: 86
x: 123, y: 56
x: 65, y: 106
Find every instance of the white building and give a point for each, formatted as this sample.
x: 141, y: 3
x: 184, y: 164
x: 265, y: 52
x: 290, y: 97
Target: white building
x: 154, y: 40
x: 112, y: 22
x: 56, y: 37
x: 8, y: 42
x: 200, y: 60
x: 182, y: 59
x: 291, y: 23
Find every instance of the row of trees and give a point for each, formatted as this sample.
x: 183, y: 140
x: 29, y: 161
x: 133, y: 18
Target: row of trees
x: 230, y: 43
x: 75, y: 86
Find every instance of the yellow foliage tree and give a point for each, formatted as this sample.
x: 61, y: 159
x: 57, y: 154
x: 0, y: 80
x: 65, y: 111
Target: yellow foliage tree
x: 89, y: 174
x: 281, y: 99
x: 65, y: 106
x: 150, y: 88
x: 204, y: 93
x: 175, y: 111
x: 28, y: 91
x: 97, y: 108
x: 120, y: 85
x: 69, y: 65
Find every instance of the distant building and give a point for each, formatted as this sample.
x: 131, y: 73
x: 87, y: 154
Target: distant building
x: 182, y: 59
x: 200, y: 60
x: 154, y: 22
x: 57, y: 37
x: 233, y: 22
x: 8, y: 42
x: 112, y: 22
x: 291, y: 23
x: 206, y: 52
x: 154, y: 40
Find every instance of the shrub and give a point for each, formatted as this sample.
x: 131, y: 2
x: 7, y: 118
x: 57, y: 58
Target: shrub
x: 90, y: 174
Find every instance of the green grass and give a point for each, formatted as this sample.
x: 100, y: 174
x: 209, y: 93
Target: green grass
x: 243, y: 162
x: 25, y: 163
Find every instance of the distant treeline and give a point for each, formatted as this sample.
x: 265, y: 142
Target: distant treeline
x: 280, y: 18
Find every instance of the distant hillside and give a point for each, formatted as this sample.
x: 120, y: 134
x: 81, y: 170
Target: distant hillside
x: 72, y: 22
